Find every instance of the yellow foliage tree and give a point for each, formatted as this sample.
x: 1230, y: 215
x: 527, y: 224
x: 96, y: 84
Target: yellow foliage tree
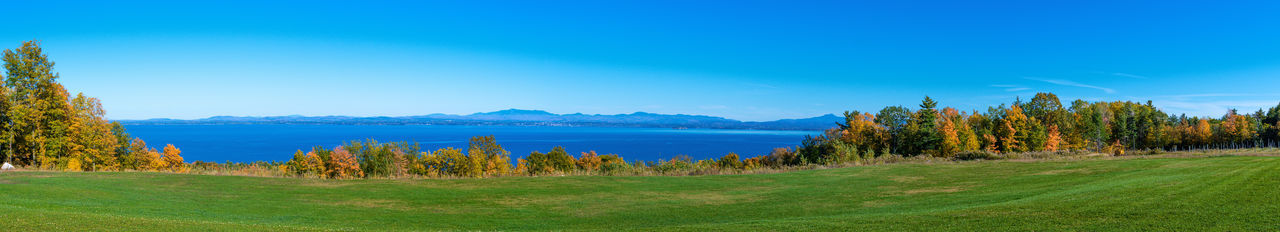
x: 522, y: 166
x: 861, y: 130
x: 173, y: 159
x: 473, y: 164
x: 950, y: 139
x: 307, y: 164
x: 1236, y: 128
x: 91, y: 140
x: 1013, y: 121
x: 496, y: 160
x: 155, y: 161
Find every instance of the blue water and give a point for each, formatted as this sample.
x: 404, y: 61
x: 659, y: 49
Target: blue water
x: 246, y: 143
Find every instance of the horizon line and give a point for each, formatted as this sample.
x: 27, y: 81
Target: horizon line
x: 428, y: 114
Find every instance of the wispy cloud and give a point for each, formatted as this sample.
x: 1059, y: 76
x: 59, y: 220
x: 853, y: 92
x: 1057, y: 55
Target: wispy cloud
x: 1135, y: 76
x: 1011, y: 88
x: 1073, y: 84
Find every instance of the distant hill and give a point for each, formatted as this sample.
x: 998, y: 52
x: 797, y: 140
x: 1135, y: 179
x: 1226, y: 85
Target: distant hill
x: 518, y: 117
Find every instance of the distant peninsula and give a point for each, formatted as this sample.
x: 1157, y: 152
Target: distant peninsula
x: 519, y: 117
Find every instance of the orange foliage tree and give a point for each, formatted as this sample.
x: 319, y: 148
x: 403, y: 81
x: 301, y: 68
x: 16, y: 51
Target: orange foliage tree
x: 589, y: 161
x: 1055, y: 139
x: 344, y: 165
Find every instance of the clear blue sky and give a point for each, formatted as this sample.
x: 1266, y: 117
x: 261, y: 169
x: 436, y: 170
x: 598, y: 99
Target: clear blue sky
x: 748, y: 60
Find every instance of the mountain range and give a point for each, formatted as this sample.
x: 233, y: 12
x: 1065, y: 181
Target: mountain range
x: 518, y: 117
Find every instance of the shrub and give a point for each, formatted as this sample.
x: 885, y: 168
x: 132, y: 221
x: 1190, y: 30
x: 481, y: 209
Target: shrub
x: 680, y: 163
x: 589, y: 161
x: 977, y: 155
x: 308, y: 164
x: 343, y: 165
x: 614, y: 168
x: 561, y: 160
x: 382, y: 159
x: 538, y: 163
x: 729, y: 161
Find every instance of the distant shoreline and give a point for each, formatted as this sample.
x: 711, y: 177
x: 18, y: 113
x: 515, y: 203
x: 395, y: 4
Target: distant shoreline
x: 476, y: 125
x: 515, y: 117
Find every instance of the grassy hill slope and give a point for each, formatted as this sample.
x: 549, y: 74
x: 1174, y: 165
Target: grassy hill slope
x: 1187, y: 194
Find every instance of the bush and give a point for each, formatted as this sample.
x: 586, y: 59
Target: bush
x: 678, y: 164
x: 977, y: 155
x: 615, y: 168
x: 343, y: 164
x: 306, y: 165
x: 589, y: 161
x: 555, y: 161
x: 561, y: 160
x: 729, y: 161
x: 537, y: 163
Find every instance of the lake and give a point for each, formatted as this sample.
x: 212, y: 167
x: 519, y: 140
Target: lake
x: 246, y: 143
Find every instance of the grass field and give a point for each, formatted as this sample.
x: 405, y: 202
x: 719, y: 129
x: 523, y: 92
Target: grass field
x: 1227, y: 193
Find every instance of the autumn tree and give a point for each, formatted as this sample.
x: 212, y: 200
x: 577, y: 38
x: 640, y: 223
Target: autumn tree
x: 43, y: 126
x: 1235, y: 128
x: 589, y: 161
x: 1054, y: 139
x: 522, y: 166
x: 496, y: 160
x: 91, y: 137
x: 307, y: 164
x: 1200, y: 132
x: 31, y: 101
x: 343, y: 164
x: 950, y: 144
x: 729, y: 161
x: 610, y: 163
x: 473, y: 164
x: 1008, y: 131
x: 861, y: 130
x: 173, y: 159
x: 155, y: 162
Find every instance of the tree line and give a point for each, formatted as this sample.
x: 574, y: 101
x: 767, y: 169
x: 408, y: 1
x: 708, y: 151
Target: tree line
x: 1041, y: 124
x: 44, y: 127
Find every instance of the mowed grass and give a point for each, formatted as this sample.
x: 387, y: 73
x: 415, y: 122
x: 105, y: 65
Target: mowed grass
x: 1222, y: 193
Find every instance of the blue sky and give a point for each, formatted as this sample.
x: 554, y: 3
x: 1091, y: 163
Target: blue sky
x: 747, y: 60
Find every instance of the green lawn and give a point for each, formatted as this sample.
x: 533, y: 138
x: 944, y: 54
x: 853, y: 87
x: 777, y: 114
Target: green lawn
x: 1228, y: 193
